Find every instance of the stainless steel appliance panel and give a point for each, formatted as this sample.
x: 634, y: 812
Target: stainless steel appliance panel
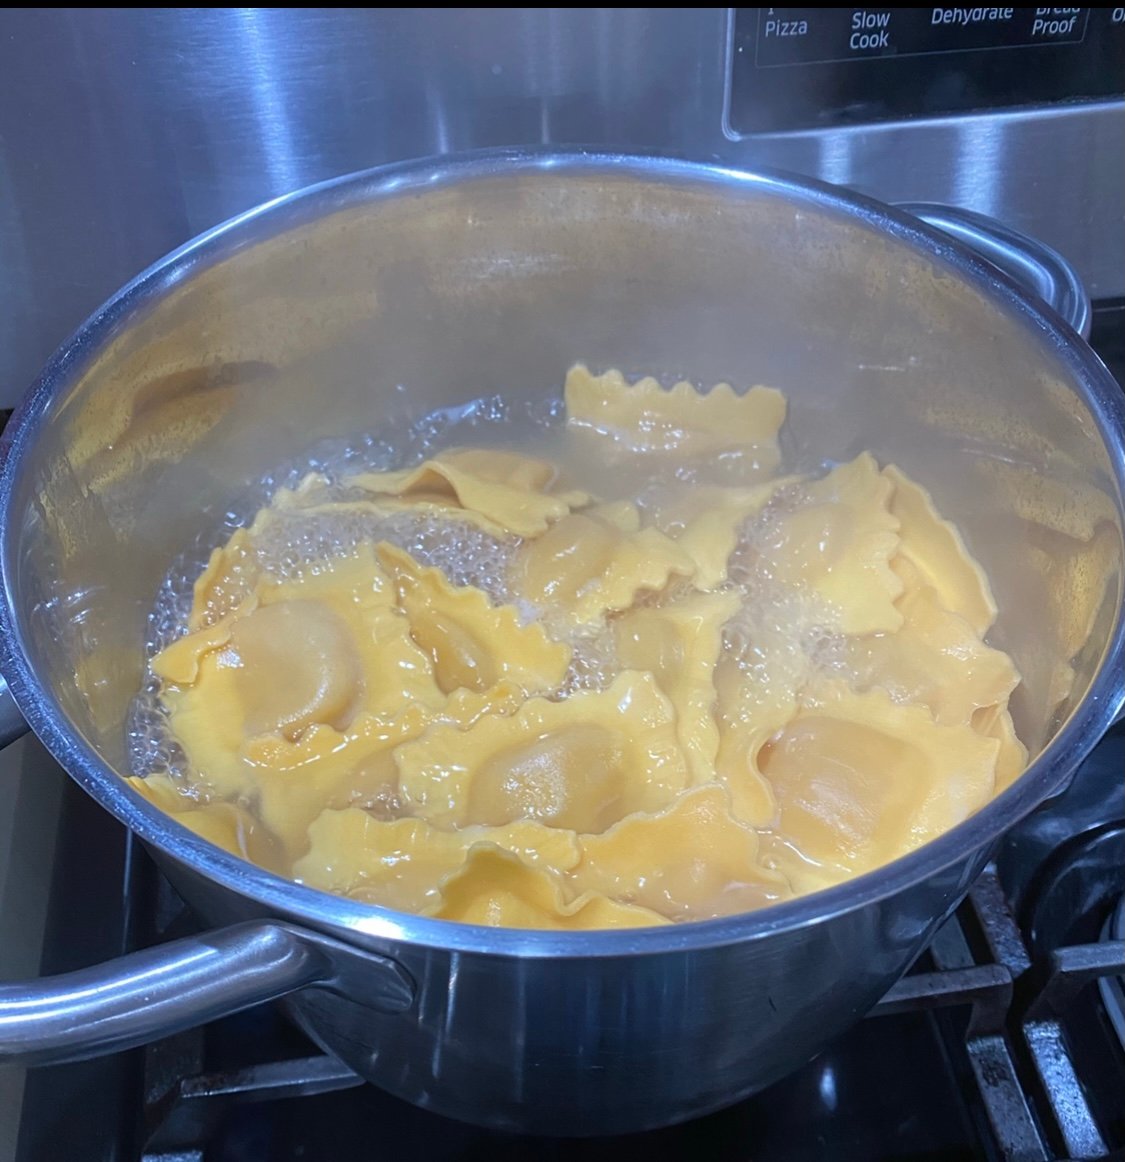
x: 124, y: 132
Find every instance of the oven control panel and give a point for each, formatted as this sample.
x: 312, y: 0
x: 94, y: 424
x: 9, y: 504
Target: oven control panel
x: 813, y: 68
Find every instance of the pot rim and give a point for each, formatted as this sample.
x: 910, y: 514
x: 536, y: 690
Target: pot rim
x: 291, y: 900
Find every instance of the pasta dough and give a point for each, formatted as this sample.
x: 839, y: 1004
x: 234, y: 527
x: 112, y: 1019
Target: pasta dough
x: 644, y: 419
x: 504, y: 493
x: 472, y: 644
x: 861, y: 779
x: 587, y: 566
x: 694, y: 690
x: 580, y: 763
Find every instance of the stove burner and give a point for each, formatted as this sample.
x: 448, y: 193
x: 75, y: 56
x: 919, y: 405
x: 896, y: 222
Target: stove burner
x: 1076, y: 889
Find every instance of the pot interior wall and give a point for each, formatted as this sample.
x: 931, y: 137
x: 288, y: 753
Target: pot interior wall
x: 348, y: 311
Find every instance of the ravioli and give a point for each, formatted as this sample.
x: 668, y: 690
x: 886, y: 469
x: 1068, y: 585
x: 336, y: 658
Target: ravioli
x: 499, y: 489
x: 472, y: 643
x: 935, y: 659
x: 935, y: 548
x: 585, y: 566
x: 280, y: 683
x: 838, y: 545
x: 226, y: 825
x: 689, y: 689
x: 466, y: 707
x: 758, y: 682
x: 860, y: 780
x: 294, y: 782
x: 226, y: 582
x: 401, y: 863
x: 679, y: 645
x: 644, y: 418
x: 316, y: 497
x: 691, y: 861
x: 996, y: 722
x: 497, y: 888
x: 580, y: 764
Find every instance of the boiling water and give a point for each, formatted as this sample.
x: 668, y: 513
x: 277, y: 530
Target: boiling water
x: 301, y: 542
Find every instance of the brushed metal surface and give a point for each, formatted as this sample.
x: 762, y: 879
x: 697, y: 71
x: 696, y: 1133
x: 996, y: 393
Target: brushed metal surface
x: 364, y: 301
x: 1039, y: 269
x: 157, y: 991
x: 125, y: 132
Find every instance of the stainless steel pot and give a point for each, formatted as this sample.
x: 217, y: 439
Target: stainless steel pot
x: 394, y: 292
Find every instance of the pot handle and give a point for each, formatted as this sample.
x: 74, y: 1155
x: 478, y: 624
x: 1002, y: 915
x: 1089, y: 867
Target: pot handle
x: 1034, y: 265
x: 12, y: 724
x: 159, y: 991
